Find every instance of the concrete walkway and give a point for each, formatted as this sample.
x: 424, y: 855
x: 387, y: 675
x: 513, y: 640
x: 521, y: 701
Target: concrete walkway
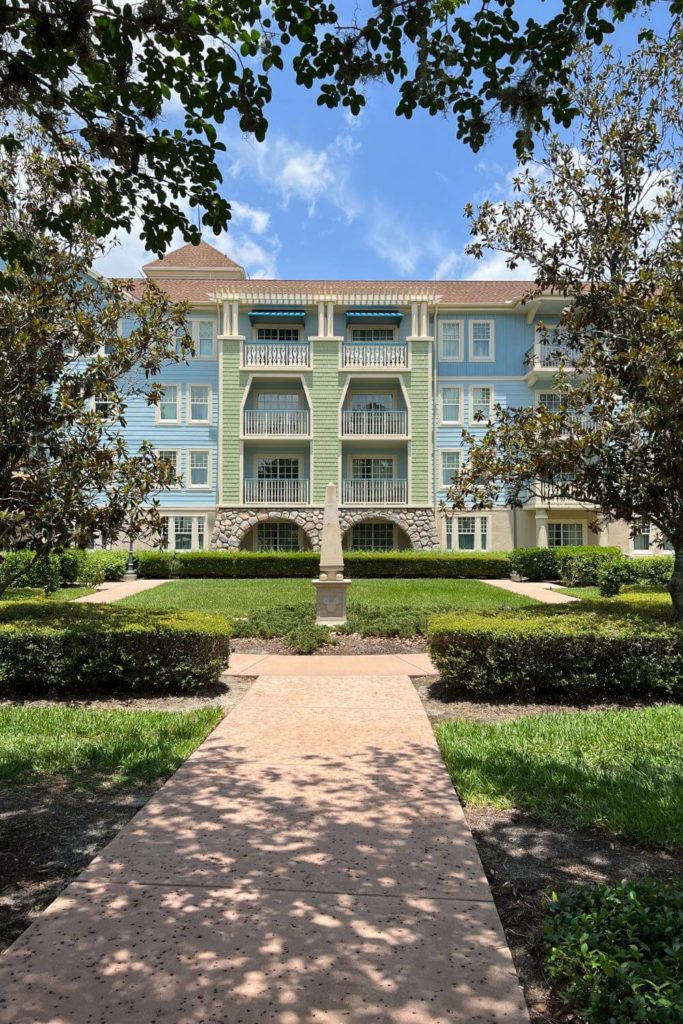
x: 107, y: 593
x: 543, y: 592
x: 331, y: 665
x: 309, y: 863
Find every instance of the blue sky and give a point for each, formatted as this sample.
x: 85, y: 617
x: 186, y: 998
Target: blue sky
x: 377, y: 196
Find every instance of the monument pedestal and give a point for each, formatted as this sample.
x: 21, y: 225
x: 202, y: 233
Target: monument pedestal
x: 330, y: 601
x: 331, y: 585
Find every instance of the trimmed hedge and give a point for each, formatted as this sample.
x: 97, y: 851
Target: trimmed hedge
x: 17, y: 568
x: 599, y: 651
x: 305, y: 564
x: 577, y: 566
x: 65, y: 648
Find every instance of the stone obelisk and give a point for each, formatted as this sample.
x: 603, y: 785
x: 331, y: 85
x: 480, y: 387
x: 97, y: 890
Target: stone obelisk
x: 331, y: 586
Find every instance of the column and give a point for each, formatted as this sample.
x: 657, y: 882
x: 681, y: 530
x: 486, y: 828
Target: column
x: 424, y: 322
x: 414, y: 323
x: 541, y: 528
x: 322, y: 316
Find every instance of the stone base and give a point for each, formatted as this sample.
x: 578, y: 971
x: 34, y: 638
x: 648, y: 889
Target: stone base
x: 233, y: 524
x: 330, y: 601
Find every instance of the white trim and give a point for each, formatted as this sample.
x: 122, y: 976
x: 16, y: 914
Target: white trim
x: 188, y: 405
x: 470, y: 404
x: 567, y: 522
x: 188, y: 469
x: 195, y: 517
x: 490, y: 358
x: 448, y: 451
x: 294, y: 326
x: 443, y: 422
x: 453, y: 518
x: 194, y: 331
x: 179, y: 406
x: 178, y: 464
x: 439, y: 333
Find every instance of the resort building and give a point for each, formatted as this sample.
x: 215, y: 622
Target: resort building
x: 365, y: 383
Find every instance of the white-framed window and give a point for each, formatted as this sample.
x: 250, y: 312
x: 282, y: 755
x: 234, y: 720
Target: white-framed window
x: 277, y: 467
x: 365, y: 401
x: 648, y: 540
x: 482, y: 341
x: 549, y: 399
x: 198, y: 403
x: 451, y: 341
x: 272, y: 333
x: 373, y: 335
x: 372, y: 468
x: 199, y: 468
x: 373, y: 537
x: 466, y: 533
x: 183, y: 532
x: 204, y: 339
x: 278, y: 537
x: 450, y: 404
x: 104, y: 407
x: 172, y: 455
x: 451, y: 463
x: 561, y: 535
x: 279, y: 401
x: 168, y: 409
x: 481, y: 399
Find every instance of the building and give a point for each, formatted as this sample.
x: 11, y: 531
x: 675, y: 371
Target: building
x: 365, y: 383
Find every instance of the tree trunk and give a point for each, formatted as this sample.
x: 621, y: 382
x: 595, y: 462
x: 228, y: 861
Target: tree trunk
x: 676, y: 584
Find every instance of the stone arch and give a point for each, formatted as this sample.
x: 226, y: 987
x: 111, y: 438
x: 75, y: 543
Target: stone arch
x: 251, y: 521
x: 350, y: 519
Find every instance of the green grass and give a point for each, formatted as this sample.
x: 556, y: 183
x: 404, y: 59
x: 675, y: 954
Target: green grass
x: 35, y: 593
x: 621, y: 771
x: 637, y: 595
x: 119, y: 747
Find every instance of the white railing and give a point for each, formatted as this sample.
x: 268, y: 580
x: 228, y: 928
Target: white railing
x: 547, y: 356
x: 374, y: 492
x: 369, y: 421
x: 276, y: 353
x: 276, y: 422
x: 358, y: 354
x: 275, y: 492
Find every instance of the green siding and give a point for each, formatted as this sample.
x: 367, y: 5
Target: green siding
x: 232, y: 385
x: 325, y: 396
x: 418, y: 386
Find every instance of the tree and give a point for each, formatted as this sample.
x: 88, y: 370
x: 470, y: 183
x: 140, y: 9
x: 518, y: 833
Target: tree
x: 600, y: 220
x: 67, y: 373
x: 108, y: 68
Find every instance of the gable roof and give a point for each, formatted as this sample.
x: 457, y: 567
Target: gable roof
x: 201, y: 257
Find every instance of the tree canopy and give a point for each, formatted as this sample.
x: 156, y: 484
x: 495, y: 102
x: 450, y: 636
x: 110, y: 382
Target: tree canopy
x: 108, y: 68
x: 599, y: 218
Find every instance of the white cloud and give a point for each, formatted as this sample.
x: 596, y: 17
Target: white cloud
x: 257, y: 219
x: 494, y: 268
x: 447, y: 265
x: 392, y: 240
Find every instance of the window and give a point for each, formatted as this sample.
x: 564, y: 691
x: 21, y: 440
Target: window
x: 199, y: 404
x: 551, y: 400
x: 171, y: 455
x: 467, y: 533
x: 168, y: 407
x: 278, y: 401
x: 450, y: 467
x: 373, y: 335
x: 372, y: 403
x: 642, y: 540
x: 277, y: 537
x: 482, y: 402
x: 203, y: 337
x: 278, y: 468
x: 481, y: 341
x: 372, y: 537
x: 277, y: 333
x: 372, y: 469
x: 199, y: 469
x: 561, y: 535
x: 450, y: 341
x: 183, y: 532
x: 104, y: 407
x: 451, y: 405
x: 109, y: 348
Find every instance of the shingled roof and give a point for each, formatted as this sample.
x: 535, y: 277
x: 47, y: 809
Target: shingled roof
x: 193, y: 257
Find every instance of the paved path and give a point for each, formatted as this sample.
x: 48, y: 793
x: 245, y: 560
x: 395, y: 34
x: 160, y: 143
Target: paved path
x: 543, y: 592
x: 107, y: 593
x: 331, y: 665
x: 309, y: 863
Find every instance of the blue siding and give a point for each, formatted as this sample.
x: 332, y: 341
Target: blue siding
x: 513, y: 336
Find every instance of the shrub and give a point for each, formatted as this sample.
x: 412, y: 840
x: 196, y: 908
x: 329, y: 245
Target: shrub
x: 305, y: 564
x: 535, y: 564
x: 656, y: 570
x: 111, y: 563
x: 582, y: 569
x: 613, y: 575
x: 596, y: 652
x: 615, y: 952
x: 580, y: 564
x: 70, y: 563
x: 68, y: 648
x: 20, y: 570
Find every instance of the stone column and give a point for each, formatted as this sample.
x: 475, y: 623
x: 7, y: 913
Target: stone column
x: 541, y: 528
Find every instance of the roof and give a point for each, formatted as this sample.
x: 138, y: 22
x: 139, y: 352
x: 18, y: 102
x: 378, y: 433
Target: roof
x: 194, y: 257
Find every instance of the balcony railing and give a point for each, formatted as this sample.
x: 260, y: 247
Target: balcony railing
x: 276, y: 422
x: 357, y: 354
x: 275, y: 492
x: 276, y: 353
x: 547, y: 356
x: 374, y: 492
x: 359, y: 422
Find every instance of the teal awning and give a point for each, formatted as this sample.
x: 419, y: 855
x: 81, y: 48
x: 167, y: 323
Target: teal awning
x: 259, y: 316
x: 373, y: 316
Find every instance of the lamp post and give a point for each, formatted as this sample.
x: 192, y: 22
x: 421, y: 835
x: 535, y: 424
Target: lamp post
x: 130, y: 573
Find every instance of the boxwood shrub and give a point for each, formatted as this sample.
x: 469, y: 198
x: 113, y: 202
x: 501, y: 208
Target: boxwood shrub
x: 577, y: 566
x: 66, y: 648
x: 600, y: 651
x: 614, y: 953
x: 359, y: 564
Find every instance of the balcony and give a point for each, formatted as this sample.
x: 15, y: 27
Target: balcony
x: 276, y: 422
x: 548, y: 497
x: 358, y: 355
x: 544, y: 359
x: 373, y: 423
x: 275, y: 492
x: 267, y: 355
x: 375, y: 492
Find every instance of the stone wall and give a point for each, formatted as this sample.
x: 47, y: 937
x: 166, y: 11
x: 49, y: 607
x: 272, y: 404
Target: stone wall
x: 233, y: 524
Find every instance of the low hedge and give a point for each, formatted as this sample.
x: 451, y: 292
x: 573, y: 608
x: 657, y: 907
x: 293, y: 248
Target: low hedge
x: 305, y: 564
x: 596, y: 652
x: 577, y: 566
x: 68, y: 648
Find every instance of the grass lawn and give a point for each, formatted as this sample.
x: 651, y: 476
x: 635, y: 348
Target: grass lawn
x: 637, y: 596
x: 621, y: 771
x: 31, y: 593
x: 117, y: 747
